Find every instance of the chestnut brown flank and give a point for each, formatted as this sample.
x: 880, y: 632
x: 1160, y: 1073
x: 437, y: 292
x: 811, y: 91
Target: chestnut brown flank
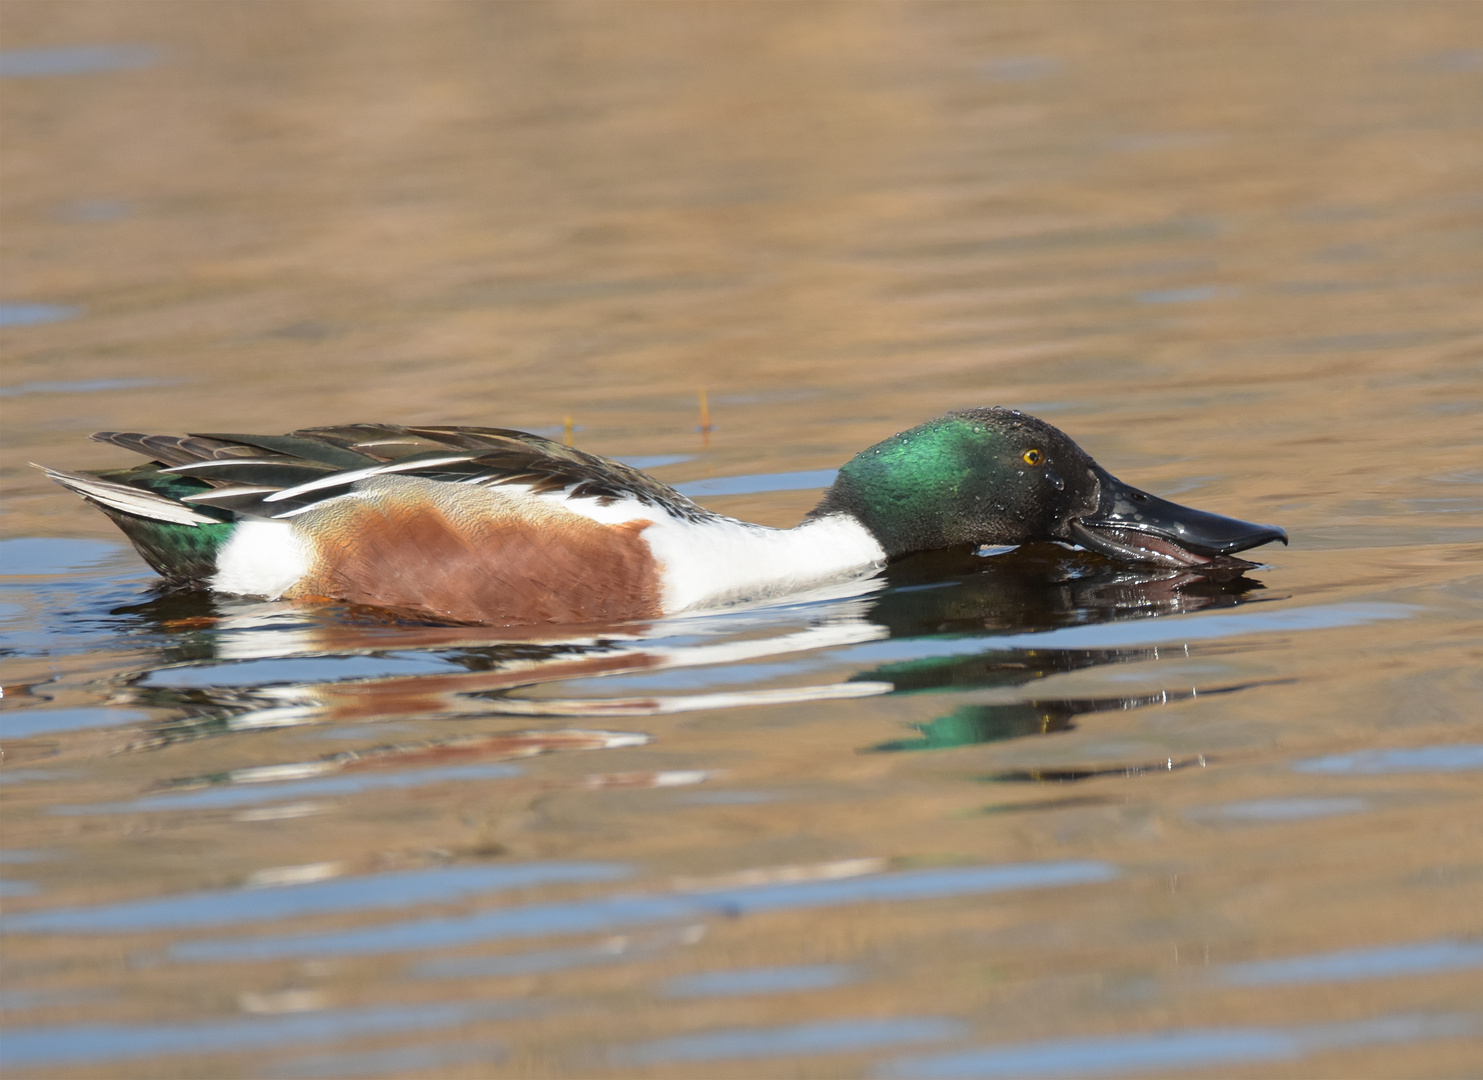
x: 472, y: 555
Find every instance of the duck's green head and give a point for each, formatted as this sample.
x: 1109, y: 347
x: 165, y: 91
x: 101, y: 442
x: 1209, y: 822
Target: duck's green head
x: 998, y: 477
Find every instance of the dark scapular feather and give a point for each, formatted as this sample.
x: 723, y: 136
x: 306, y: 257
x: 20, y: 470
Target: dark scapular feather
x: 172, y: 449
x: 297, y: 447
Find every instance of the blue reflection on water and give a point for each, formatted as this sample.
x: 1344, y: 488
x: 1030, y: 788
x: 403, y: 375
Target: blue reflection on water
x: 607, y: 912
x: 391, y: 1059
x: 1460, y: 757
x: 26, y: 855
x: 1158, y: 1051
x: 81, y: 386
x: 820, y: 1037
x: 439, y: 885
x: 754, y: 673
x: 1280, y: 809
x: 39, y: 1046
x: 1189, y: 295
x: 42, y: 556
x: 32, y: 314
x: 248, y: 794
x: 25, y: 776
x: 753, y: 483
x: 92, y: 210
x: 20, y: 725
x: 1418, y: 958
x: 772, y: 980
x: 315, y: 669
x: 1257, y: 619
x: 75, y: 60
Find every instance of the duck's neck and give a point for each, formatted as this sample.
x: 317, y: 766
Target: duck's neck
x: 721, y: 561
x: 912, y: 492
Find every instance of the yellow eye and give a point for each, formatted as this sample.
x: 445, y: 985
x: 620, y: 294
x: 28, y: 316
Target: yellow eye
x: 1033, y: 457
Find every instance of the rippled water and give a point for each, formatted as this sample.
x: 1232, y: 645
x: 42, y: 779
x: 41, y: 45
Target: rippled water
x: 1021, y: 813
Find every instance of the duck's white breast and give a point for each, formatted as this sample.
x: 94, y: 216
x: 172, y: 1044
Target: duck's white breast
x: 718, y: 560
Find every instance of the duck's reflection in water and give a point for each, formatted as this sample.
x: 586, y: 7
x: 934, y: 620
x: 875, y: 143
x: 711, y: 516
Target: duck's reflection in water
x: 938, y: 623
x: 1044, y: 587
x: 1035, y: 588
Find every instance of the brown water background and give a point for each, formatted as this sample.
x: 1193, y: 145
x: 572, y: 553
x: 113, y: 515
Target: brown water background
x: 1129, y: 825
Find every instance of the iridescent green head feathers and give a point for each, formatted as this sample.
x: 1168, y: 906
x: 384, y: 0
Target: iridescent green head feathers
x: 977, y: 476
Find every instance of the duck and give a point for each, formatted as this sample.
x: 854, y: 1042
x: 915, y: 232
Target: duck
x: 501, y: 527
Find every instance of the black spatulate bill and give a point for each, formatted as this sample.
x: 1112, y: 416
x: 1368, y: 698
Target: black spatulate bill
x: 1134, y: 526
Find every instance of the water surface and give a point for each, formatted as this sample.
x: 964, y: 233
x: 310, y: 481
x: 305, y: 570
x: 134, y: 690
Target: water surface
x: 1004, y: 813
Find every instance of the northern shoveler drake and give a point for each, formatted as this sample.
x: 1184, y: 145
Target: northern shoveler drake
x: 487, y: 525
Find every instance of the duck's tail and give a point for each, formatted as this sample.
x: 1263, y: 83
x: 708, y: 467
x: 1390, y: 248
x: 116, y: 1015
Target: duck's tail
x: 179, y: 541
